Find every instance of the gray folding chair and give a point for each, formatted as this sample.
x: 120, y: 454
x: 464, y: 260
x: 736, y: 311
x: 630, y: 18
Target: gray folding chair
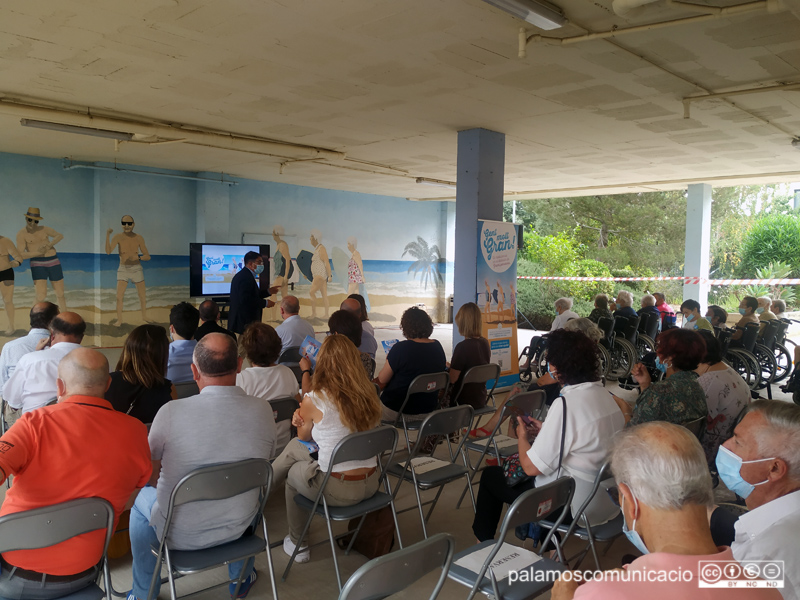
x: 427, y: 383
x: 427, y: 472
x: 291, y: 358
x: 283, y: 410
x: 530, y: 404
x: 186, y: 389
x: 697, y: 427
x: 51, y: 525
x: 217, y: 482
x: 481, y: 374
x: 387, y: 575
x: 582, y: 528
x: 532, y: 506
x: 361, y: 445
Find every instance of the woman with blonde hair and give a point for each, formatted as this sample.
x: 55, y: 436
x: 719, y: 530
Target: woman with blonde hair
x: 139, y: 386
x: 472, y: 351
x: 342, y: 401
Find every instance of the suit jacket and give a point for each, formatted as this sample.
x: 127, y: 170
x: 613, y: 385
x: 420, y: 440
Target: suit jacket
x: 210, y: 327
x: 247, y: 301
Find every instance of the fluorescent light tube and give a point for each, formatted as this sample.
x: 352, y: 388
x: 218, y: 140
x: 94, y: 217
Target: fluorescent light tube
x: 536, y: 12
x: 101, y: 133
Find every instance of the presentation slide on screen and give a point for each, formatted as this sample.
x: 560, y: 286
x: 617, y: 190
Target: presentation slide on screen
x: 220, y: 264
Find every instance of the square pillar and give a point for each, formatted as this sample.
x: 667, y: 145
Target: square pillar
x: 479, y: 195
x: 698, y: 241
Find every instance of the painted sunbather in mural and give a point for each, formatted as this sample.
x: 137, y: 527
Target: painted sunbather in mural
x: 132, y: 251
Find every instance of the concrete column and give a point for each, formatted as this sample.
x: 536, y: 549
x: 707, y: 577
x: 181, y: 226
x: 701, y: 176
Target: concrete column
x: 698, y: 241
x: 479, y: 195
x: 213, y: 211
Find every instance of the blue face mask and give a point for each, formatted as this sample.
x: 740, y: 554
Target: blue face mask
x: 742, y: 311
x: 550, y: 371
x: 729, y: 466
x: 259, y: 269
x: 633, y: 535
x: 661, y: 366
x: 689, y: 317
x: 759, y: 310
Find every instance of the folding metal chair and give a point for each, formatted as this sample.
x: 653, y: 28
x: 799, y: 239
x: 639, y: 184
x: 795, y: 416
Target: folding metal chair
x: 356, y: 446
x: 186, y: 389
x: 291, y: 358
x: 217, y: 482
x: 51, y: 525
x: 605, y: 532
x: 481, y: 374
x: 427, y: 383
x: 283, y: 410
x: 697, y: 427
x: 530, y: 404
x: 387, y: 575
x: 532, y: 506
x: 427, y: 472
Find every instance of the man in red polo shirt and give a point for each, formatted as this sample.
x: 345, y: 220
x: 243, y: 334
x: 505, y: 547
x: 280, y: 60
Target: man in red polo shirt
x: 78, y: 448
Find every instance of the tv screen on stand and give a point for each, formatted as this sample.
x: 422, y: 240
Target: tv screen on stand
x: 213, y: 266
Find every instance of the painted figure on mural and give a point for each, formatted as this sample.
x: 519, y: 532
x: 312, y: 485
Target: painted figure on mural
x: 501, y: 299
x: 10, y: 257
x: 282, y: 265
x: 355, y: 267
x: 37, y: 243
x: 513, y: 294
x: 487, y: 308
x: 132, y: 251
x: 321, y: 272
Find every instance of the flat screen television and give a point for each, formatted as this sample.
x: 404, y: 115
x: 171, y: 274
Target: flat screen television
x: 212, y: 267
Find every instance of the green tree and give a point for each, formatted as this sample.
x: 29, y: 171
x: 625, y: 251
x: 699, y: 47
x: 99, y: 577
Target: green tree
x: 428, y: 259
x: 773, y: 238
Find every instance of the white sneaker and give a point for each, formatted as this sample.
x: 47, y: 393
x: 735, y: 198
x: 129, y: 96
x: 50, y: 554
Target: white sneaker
x: 303, y: 555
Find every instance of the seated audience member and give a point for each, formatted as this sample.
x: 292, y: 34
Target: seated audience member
x: 649, y: 307
x: 293, y: 330
x: 747, y: 308
x: 139, y: 386
x: 564, y: 313
x: 417, y: 355
x: 41, y: 315
x: 78, y: 448
x: 763, y: 311
x: 342, y: 401
x: 368, y: 342
x: 592, y: 418
x: 221, y: 424
x: 347, y: 324
x: 778, y: 307
x: 600, y: 309
x: 726, y: 395
x: 678, y: 398
x: 668, y: 316
x: 761, y: 463
x: 470, y: 352
x: 664, y: 491
x: 625, y: 305
x: 693, y: 319
x: 717, y: 316
x: 209, y: 321
x: 182, y: 327
x: 365, y: 324
x: 33, y: 383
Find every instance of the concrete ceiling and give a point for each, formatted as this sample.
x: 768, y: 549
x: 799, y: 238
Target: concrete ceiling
x: 390, y: 83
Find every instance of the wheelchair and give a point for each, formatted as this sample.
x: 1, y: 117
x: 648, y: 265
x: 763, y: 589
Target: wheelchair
x: 621, y: 352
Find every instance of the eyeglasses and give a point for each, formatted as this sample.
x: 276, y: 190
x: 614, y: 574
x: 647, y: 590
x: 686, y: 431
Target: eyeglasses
x: 127, y: 222
x: 29, y: 220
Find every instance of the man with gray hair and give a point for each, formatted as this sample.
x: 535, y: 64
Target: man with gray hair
x: 42, y: 313
x: 293, y: 330
x: 221, y: 424
x: 664, y: 491
x: 78, y: 448
x: 761, y: 463
x: 624, y: 302
x: 649, y: 307
x: 563, y: 313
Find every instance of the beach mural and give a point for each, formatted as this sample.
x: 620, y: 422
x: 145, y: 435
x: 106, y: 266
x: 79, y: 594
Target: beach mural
x: 113, y: 246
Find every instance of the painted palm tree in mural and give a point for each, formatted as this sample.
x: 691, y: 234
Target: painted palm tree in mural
x: 428, y: 258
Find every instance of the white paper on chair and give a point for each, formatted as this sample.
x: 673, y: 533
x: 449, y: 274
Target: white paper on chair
x: 508, y: 558
x: 503, y: 441
x: 423, y: 464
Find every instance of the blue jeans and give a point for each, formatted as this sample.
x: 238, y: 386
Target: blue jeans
x: 143, y: 537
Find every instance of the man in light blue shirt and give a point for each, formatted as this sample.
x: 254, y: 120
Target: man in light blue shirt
x: 183, y: 321
x: 41, y: 315
x: 293, y: 330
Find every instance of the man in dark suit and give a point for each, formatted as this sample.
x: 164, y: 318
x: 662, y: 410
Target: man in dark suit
x: 247, y: 300
x: 209, y: 315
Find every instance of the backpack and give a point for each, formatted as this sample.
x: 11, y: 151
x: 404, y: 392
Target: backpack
x: 376, y: 537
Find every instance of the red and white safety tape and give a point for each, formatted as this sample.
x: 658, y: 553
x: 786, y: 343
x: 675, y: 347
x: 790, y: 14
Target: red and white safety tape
x: 685, y: 280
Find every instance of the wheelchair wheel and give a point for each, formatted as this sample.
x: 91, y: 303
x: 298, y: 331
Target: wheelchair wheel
x: 783, y: 360
x: 754, y: 378
x: 645, y: 345
x: 605, y: 361
x: 623, y: 357
x: 740, y: 365
x: 766, y: 361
